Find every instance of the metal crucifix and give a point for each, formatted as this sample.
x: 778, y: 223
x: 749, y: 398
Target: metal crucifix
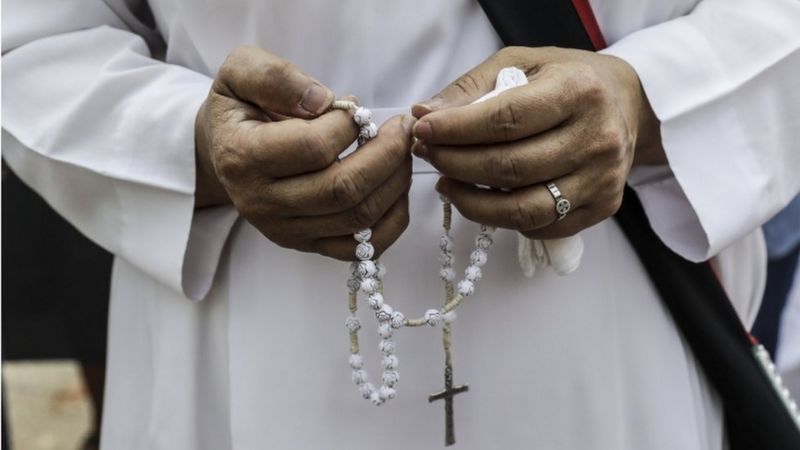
x: 449, y: 391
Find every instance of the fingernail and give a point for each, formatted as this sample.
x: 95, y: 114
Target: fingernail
x: 316, y: 99
x: 423, y: 131
x: 420, y: 150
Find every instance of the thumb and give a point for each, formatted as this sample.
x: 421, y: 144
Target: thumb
x: 273, y: 84
x: 464, y: 90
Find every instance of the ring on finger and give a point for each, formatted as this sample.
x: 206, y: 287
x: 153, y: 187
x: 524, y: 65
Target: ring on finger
x: 562, y: 204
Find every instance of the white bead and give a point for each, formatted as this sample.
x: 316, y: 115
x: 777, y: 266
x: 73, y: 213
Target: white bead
x: 390, y: 377
x: 368, y: 131
x: 478, y: 257
x: 785, y: 394
x: 369, y: 286
x: 376, y: 398
x: 352, y: 323
x: 354, y: 284
x: 446, y: 259
x: 473, y: 273
x: 387, y: 346
x: 366, y: 390
x: 359, y: 376
x: 362, y: 116
x: 446, y: 243
x: 449, y: 317
x: 356, y: 361
x: 354, y: 269
x: 390, y: 362
x: 375, y: 300
x: 793, y: 406
x: 778, y: 380
x: 367, y: 269
x: 484, y: 241
x: 443, y: 199
x: 381, y: 271
x: 398, y: 320
x: 447, y: 274
x: 387, y: 393
x: 364, y: 251
x: 466, y: 287
x: 433, y: 317
x: 385, y: 330
x: 385, y: 313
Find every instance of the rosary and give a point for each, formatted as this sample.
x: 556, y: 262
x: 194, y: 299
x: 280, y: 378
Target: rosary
x: 366, y: 276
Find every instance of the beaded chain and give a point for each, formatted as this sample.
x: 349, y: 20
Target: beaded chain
x: 366, y: 276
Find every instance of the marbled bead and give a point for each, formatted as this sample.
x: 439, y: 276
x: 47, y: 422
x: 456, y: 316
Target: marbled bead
x: 387, y: 346
x: 362, y: 116
x: 390, y: 377
x: 433, y: 317
x: 356, y: 361
x: 368, y: 131
x: 466, y: 287
x: 398, y: 320
x: 387, y: 393
x: 367, y: 269
x: 354, y: 284
x: 359, y: 376
x: 375, y: 300
x: 352, y: 323
x: 447, y: 274
x: 390, y: 362
x: 484, y: 241
x: 473, y: 273
x: 385, y: 313
x: 376, y: 399
x: 363, y: 235
x: 365, y: 251
x: 445, y: 243
x: 478, y: 257
x: 366, y: 390
x: 385, y: 330
x: 369, y: 285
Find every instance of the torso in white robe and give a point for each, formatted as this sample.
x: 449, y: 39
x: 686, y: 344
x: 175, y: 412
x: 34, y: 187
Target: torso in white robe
x: 591, y: 360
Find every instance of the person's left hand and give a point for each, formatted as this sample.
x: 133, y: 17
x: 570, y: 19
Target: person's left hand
x: 580, y: 122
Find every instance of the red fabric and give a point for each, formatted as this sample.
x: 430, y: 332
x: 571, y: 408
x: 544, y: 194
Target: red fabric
x: 586, y: 14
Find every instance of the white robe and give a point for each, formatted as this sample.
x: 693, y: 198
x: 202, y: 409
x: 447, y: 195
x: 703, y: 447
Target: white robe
x: 216, y: 346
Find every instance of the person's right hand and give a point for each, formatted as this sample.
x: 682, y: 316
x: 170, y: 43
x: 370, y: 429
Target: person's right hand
x: 265, y: 142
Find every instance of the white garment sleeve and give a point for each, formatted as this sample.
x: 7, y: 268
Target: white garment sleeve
x: 105, y: 134
x: 725, y: 82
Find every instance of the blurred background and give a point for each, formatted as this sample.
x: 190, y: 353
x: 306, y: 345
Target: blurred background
x: 55, y: 303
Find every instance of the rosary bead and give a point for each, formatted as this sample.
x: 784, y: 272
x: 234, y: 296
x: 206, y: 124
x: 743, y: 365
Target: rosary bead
x: 365, y: 251
x: 368, y: 131
x: 433, y: 317
x: 376, y: 398
x: 443, y: 199
x: 385, y: 330
x: 367, y: 269
x: 390, y: 362
x: 478, y: 257
x: 359, y: 377
x: 362, y: 116
x: 447, y: 274
x: 387, y: 346
x: 446, y: 259
x: 385, y: 313
x: 446, y: 243
x: 473, y: 273
x: 366, y: 390
x: 363, y: 235
x: 356, y: 361
x: 398, y: 320
x: 390, y: 377
x: 387, y: 393
x: 369, y: 286
x: 466, y: 287
x: 449, y: 317
x: 352, y: 323
x: 354, y: 284
x: 484, y: 241
x: 375, y: 300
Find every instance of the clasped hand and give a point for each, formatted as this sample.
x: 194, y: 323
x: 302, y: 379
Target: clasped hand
x: 267, y: 142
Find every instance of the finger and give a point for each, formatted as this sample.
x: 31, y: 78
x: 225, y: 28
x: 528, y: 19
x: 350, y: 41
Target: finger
x: 344, y: 185
x: 514, y: 114
x: 384, y: 234
x: 576, y: 221
x: 272, y: 83
x: 464, y: 90
x: 539, y: 158
x: 294, y: 146
x: 364, y: 215
x: 528, y: 209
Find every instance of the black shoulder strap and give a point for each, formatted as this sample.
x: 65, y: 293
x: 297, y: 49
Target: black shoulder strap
x: 756, y: 416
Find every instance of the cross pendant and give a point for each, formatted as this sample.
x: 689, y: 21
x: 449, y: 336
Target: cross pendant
x: 447, y: 394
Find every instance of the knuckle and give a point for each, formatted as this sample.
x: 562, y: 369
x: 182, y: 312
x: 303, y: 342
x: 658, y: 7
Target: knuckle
x: 229, y: 162
x: 467, y: 84
x: 523, y: 217
x: 345, y: 189
x: 277, y: 70
x: 366, y: 213
x: 505, y: 170
x: 505, y: 119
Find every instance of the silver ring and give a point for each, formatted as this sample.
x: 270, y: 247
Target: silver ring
x: 562, y: 205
